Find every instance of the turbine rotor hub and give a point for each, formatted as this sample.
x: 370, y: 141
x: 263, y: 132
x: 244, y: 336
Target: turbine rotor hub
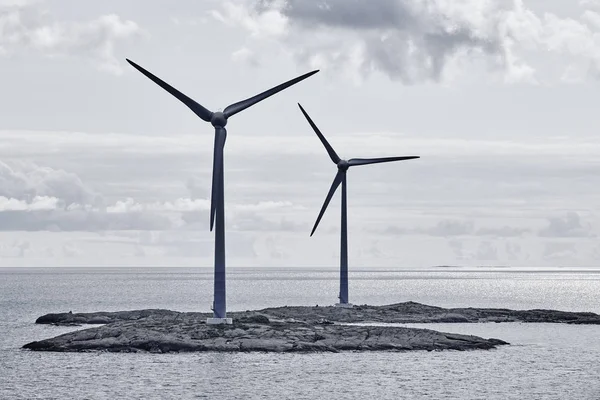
x: 343, y: 165
x: 218, y: 119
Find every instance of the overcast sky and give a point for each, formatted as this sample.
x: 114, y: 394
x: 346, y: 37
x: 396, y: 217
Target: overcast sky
x: 99, y: 166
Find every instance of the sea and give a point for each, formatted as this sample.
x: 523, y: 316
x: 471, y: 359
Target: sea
x: 543, y: 361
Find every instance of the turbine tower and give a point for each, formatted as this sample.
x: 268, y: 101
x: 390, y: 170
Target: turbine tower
x: 340, y: 177
x: 217, y: 207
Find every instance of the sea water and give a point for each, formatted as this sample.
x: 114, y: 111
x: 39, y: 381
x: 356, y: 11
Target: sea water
x: 544, y: 361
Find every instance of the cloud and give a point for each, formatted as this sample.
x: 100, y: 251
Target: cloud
x: 445, y: 228
x: 178, y: 205
x: 81, y: 220
x: 252, y: 222
x: 71, y: 250
x: 590, y: 3
x: 567, y: 226
x: 184, y: 244
x: 450, y: 228
x: 197, y: 188
x: 513, y: 250
x: 457, y: 247
x: 37, y: 203
x: 245, y: 55
x: 24, y: 27
x: 473, y: 191
x: 265, y: 205
x: 24, y: 181
x: 563, y: 252
x: 269, y: 22
x: 487, y: 252
x: 271, y: 247
x: 36, y: 198
x: 505, y: 231
x: 419, y: 41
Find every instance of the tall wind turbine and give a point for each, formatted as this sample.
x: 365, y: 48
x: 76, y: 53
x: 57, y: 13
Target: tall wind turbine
x: 340, y: 177
x: 217, y: 207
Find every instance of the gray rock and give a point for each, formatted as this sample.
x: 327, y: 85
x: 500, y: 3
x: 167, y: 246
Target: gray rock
x: 287, y: 329
x: 411, y: 312
x: 188, y: 332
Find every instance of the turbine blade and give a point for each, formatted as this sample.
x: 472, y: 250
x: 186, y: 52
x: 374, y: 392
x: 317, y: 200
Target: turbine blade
x: 217, y: 175
x: 334, y: 157
x: 195, y: 107
x: 242, y: 105
x: 336, y: 182
x: 364, y: 161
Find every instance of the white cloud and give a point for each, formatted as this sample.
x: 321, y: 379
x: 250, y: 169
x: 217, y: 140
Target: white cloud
x: 417, y: 41
x: 268, y: 23
x: 25, y: 27
x: 23, y: 180
x: 146, y: 199
x: 36, y: 204
x: 245, y: 55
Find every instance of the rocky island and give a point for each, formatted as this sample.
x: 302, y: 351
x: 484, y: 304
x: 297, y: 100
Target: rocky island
x: 287, y: 329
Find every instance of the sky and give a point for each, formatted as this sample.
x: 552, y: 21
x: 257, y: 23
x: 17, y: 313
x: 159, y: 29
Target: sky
x: 101, y: 167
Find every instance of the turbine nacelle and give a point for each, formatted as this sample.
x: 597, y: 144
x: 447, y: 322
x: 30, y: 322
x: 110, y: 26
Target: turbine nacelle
x: 343, y: 165
x: 218, y: 119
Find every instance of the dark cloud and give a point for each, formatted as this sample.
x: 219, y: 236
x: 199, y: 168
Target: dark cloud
x: 346, y: 13
x: 568, y: 226
x: 410, y: 41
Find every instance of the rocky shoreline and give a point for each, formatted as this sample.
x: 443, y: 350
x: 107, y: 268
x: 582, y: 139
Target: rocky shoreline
x: 287, y: 329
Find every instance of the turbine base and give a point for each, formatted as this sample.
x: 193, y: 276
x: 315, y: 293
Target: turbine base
x: 344, y: 305
x: 219, y: 321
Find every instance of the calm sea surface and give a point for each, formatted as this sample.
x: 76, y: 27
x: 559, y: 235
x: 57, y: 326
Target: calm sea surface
x: 545, y: 361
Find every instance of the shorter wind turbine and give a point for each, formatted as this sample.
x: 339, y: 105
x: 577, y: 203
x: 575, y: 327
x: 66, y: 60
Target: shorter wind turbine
x: 340, y: 177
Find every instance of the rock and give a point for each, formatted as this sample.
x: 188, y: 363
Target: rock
x: 256, y: 318
x: 186, y: 332
x: 287, y: 329
x: 411, y: 312
x: 102, y: 317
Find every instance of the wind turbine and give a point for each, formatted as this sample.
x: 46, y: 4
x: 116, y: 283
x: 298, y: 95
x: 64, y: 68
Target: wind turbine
x: 217, y: 207
x: 340, y: 177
